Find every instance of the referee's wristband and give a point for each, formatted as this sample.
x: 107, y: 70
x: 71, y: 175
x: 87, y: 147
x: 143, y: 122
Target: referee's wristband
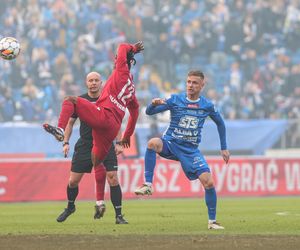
x: 65, y: 143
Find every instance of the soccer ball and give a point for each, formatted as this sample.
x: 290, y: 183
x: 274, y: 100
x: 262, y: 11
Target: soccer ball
x: 9, y: 48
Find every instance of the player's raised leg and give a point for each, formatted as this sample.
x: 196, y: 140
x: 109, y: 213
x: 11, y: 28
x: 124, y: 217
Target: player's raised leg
x: 67, y: 109
x: 57, y: 132
x: 210, y: 200
x: 86, y: 111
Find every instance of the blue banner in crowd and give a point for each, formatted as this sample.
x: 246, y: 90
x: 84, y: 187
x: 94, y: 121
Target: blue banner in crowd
x: 251, y: 137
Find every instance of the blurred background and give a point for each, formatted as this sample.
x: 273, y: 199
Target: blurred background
x: 249, y: 51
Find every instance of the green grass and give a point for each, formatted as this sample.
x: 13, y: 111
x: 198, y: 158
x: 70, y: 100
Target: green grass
x: 147, y: 216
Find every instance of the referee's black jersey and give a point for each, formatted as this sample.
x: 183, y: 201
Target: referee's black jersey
x: 84, y: 130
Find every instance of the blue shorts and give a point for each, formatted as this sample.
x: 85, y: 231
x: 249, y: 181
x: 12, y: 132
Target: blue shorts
x: 191, y: 159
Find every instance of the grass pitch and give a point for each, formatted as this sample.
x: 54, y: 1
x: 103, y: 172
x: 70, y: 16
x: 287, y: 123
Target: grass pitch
x: 157, y: 224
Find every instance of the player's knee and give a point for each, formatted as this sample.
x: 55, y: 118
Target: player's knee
x: 73, y: 183
x: 207, y: 184
x: 112, y: 178
x: 155, y: 144
x: 206, y: 180
x: 151, y: 144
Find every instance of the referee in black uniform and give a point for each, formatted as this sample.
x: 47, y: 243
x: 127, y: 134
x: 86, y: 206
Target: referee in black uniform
x: 82, y: 163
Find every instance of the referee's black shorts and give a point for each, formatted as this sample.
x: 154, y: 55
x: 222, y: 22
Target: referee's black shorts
x: 82, y: 162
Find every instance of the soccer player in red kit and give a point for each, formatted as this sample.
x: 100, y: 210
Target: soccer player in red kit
x: 105, y: 117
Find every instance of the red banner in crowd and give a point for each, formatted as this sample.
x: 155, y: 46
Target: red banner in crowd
x: 34, y: 180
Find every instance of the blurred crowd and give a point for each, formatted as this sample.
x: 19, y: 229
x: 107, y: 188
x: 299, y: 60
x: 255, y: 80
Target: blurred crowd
x: 249, y: 51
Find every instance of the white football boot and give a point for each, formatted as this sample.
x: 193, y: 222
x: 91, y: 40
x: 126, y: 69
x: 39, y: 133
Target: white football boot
x: 144, y: 190
x: 215, y: 225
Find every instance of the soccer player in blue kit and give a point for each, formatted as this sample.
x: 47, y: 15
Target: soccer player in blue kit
x: 181, y: 140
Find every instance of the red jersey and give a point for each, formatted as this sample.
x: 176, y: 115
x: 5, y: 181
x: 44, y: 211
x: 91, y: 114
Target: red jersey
x: 119, y: 91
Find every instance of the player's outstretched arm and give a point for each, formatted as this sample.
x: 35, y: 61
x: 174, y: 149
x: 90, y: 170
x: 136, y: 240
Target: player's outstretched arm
x: 123, y: 50
x: 133, y: 109
x: 157, y: 105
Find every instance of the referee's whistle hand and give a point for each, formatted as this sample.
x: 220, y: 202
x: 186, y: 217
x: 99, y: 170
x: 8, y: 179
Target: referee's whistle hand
x: 119, y: 149
x: 66, y: 149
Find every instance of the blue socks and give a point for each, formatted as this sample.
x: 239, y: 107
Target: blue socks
x: 150, y: 161
x: 211, y: 203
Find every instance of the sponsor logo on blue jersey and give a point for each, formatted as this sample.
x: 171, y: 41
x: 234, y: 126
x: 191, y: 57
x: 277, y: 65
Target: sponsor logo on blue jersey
x: 193, y: 105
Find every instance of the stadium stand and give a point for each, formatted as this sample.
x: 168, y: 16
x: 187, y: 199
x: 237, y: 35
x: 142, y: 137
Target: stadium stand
x: 248, y: 49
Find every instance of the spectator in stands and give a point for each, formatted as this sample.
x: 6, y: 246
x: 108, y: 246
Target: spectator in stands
x: 58, y: 39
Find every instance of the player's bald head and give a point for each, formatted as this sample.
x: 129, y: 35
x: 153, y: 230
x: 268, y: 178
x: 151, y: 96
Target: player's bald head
x: 93, y: 74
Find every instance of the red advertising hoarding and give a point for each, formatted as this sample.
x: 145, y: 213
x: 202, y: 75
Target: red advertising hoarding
x: 41, y: 180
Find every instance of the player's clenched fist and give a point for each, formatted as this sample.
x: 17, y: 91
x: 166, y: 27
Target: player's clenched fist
x: 158, y: 101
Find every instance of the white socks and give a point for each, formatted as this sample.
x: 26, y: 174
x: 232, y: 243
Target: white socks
x: 99, y: 203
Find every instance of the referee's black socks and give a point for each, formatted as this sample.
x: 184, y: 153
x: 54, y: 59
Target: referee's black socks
x: 116, y: 199
x: 72, y: 195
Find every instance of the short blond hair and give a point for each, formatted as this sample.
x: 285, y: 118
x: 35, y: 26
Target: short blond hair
x: 196, y: 73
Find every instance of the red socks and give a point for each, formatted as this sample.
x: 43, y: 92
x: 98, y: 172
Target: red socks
x: 100, y: 177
